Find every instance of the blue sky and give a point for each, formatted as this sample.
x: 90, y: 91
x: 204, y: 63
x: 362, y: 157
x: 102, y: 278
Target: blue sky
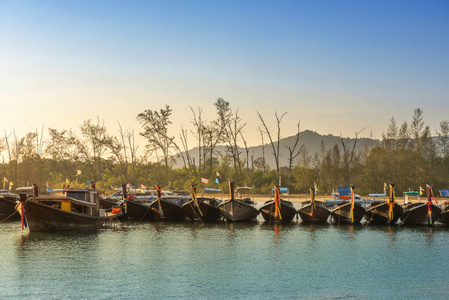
x: 336, y: 66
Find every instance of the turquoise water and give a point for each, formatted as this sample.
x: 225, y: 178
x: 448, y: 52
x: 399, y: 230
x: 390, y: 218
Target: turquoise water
x: 222, y: 261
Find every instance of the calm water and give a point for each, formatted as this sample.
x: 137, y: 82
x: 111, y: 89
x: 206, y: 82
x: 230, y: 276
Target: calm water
x: 193, y: 261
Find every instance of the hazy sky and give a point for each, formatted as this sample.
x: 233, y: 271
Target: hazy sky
x: 338, y: 66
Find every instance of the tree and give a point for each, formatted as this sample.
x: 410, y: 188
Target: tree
x: 443, y: 139
x: 348, y: 156
x: 274, y: 146
x: 92, y: 145
x: 231, y: 137
x: 417, y: 127
x: 391, y: 136
x: 155, y: 125
x: 291, y: 151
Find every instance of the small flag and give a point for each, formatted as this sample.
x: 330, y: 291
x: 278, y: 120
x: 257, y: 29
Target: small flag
x: 78, y: 172
x: 204, y: 180
x: 48, y: 187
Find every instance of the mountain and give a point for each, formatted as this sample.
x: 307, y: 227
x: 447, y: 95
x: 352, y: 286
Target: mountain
x: 310, y: 139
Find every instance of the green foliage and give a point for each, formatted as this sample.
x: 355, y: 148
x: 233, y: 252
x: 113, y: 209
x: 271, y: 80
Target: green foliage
x: 408, y: 157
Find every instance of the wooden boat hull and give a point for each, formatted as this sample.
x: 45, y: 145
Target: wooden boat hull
x: 170, y: 210
x: 208, y: 210
x: 288, y: 212
x: 8, y: 208
x: 139, y: 211
x: 236, y: 211
x: 320, y: 213
x: 41, y: 216
x: 444, y: 217
x: 379, y: 214
x: 342, y: 213
x: 417, y: 214
x: 107, y: 203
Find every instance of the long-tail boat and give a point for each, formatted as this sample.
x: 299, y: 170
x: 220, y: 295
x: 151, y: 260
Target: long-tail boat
x: 421, y: 213
x: 314, y: 211
x: 8, y: 204
x: 136, y: 210
x: 78, y: 209
x: 201, y: 208
x: 444, y: 218
x: 384, y: 212
x: 278, y: 210
x: 347, y: 212
x: 237, y: 211
x: 167, y: 208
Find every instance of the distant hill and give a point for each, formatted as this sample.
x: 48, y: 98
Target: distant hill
x: 310, y: 139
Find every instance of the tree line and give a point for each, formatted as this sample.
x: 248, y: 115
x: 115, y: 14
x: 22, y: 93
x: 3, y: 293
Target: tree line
x: 408, y: 155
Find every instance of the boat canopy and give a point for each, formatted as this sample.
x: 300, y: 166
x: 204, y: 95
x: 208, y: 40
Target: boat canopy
x: 444, y: 193
x: 244, y: 188
x: 181, y: 192
x: 282, y: 190
x: 412, y: 193
x: 377, y: 195
x: 344, y: 190
x: 24, y: 189
x: 210, y: 190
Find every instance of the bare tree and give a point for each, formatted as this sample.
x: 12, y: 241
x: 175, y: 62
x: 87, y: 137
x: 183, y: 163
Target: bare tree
x: 199, y: 131
x: 183, y: 137
x: 348, y: 155
x: 232, y: 134
x: 273, y: 145
x: 291, y: 151
x: 263, y: 150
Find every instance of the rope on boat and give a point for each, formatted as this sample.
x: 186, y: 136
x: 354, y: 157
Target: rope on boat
x: 190, y: 204
x: 148, y: 208
x: 9, y: 216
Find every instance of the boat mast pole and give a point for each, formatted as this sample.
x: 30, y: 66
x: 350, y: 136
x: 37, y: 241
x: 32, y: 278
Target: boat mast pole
x: 391, y: 201
x: 352, y: 203
x: 429, y: 202
x: 312, y: 197
x: 277, y: 200
x: 231, y: 192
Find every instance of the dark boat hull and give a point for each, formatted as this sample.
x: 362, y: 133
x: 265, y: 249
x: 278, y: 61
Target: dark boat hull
x: 320, y: 213
x: 236, y: 211
x: 8, y: 208
x: 288, y: 212
x: 170, y: 210
x: 139, y: 212
x: 417, y: 214
x: 45, y: 217
x: 379, y: 214
x: 208, y: 210
x: 444, y: 217
x: 107, y: 203
x: 342, y: 213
